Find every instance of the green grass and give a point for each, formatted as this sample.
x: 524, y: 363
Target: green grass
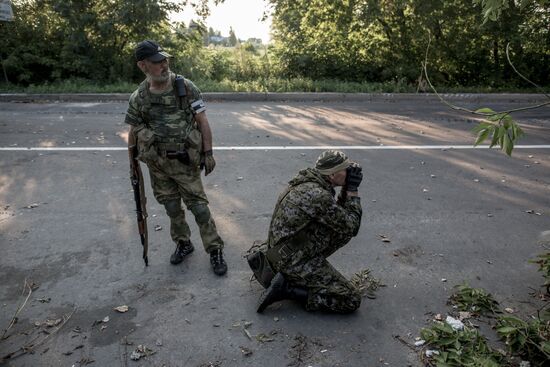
x: 261, y: 85
x: 279, y: 85
x: 70, y: 86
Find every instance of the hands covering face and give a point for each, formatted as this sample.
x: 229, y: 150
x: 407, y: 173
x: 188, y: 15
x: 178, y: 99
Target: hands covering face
x: 354, y: 176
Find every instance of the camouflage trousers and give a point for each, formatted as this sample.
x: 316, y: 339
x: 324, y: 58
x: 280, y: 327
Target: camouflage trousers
x: 172, y: 182
x: 328, y: 290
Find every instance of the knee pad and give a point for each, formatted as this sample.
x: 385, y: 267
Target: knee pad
x: 173, y: 208
x: 201, y: 213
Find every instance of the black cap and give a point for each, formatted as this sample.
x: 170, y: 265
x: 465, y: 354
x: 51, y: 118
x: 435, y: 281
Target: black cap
x: 151, y: 51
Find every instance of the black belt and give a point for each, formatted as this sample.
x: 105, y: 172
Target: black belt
x: 174, y: 151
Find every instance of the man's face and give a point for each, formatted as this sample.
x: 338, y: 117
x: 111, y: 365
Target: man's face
x: 156, y: 71
x: 338, y: 178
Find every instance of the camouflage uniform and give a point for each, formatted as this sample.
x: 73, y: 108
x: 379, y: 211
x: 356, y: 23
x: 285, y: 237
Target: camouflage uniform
x: 160, y: 125
x: 308, y: 210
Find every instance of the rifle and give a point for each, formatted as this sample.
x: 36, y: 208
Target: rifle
x: 136, y: 178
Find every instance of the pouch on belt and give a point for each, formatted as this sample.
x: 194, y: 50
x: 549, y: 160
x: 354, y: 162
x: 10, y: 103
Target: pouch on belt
x: 261, y: 267
x: 145, y: 140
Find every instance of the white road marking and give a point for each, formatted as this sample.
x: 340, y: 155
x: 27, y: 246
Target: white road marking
x: 284, y: 147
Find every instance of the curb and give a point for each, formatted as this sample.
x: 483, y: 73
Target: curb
x: 289, y: 97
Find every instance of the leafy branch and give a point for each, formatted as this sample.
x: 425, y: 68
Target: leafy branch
x: 456, y: 347
x: 474, y: 300
x: 530, y: 340
x: 492, y: 9
x: 499, y: 125
x: 543, y: 261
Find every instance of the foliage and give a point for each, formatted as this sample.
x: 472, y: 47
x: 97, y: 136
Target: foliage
x: 543, y: 260
x: 268, y: 84
x: 71, y: 86
x: 366, y: 283
x: 460, y: 347
x: 530, y: 340
x: 232, y: 37
x: 52, y: 40
x: 271, y: 84
x: 359, y: 41
x: 474, y: 300
x: 492, y: 9
x: 379, y: 40
x: 502, y: 129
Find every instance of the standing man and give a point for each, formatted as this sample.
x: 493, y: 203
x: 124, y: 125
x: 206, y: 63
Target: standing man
x: 307, y: 226
x: 168, y: 124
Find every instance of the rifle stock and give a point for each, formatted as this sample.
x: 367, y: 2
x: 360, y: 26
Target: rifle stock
x: 136, y: 178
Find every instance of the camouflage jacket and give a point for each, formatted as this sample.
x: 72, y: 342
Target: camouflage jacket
x: 161, y: 112
x: 310, y: 205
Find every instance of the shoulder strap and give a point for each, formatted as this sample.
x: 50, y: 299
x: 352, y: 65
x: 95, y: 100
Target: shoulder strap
x: 180, y: 98
x: 142, y: 91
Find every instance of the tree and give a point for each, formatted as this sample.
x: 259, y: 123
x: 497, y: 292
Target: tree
x: 232, y: 37
x: 492, y: 9
x: 499, y: 126
x: 58, y: 39
x: 385, y: 40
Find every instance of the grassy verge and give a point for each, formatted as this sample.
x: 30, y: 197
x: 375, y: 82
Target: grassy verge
x: 69, y: 86
x: 261, y: 85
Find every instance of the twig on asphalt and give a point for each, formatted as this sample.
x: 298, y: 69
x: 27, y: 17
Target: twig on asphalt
x: 247, y: 333
x: 398, y: 337
x: 30, y: 347
x: 19, y: 309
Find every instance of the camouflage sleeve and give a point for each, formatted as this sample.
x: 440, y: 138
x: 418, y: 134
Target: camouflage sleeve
x: 133, y: 117
x: 195, y: 98
x: 319, y: 205
x: 343, y: 219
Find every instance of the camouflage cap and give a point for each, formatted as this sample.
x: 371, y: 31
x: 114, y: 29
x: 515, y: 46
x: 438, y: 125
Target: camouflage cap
x: 331, y: 161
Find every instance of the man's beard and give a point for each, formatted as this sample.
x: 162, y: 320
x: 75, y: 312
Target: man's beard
x: 162, y: 78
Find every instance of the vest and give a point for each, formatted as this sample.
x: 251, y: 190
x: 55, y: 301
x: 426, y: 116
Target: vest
x: 169, y: 116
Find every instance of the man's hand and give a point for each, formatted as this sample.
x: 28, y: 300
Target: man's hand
x: 354, y: 176
x: 207, y: 162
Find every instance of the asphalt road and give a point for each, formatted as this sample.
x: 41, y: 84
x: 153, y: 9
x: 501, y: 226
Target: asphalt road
x: 67, y: 225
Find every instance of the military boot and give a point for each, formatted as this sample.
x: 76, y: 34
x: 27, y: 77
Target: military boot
x: 280, y: 290
x: 218, y: 263
x: 183, y: 248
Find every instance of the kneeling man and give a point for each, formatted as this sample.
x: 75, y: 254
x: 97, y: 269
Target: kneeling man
x: 308, y: 225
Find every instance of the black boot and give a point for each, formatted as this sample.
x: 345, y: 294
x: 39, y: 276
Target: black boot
x: 183, y: 248
x: 218, y: 263
x: 279, y: 290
